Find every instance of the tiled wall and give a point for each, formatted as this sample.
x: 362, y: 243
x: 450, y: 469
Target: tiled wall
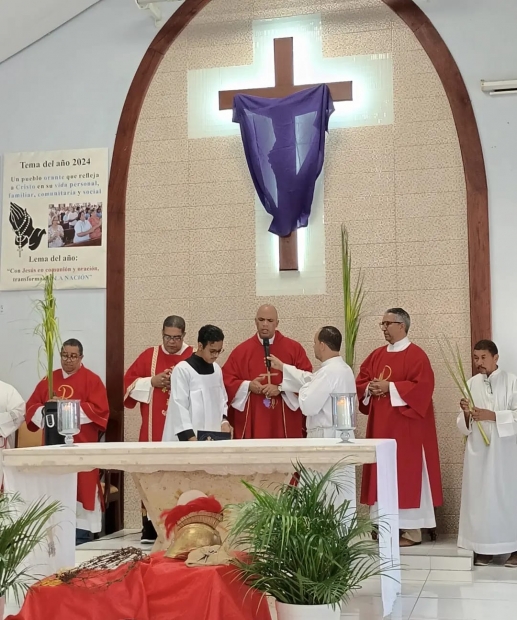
x: 400, y: 189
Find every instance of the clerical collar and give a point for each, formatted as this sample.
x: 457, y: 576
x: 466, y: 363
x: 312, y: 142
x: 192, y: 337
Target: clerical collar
x: 184, y: 347
x: 401, y: 345
x: 271, y: 340
x: 66, y: 375
x: 199, y: 365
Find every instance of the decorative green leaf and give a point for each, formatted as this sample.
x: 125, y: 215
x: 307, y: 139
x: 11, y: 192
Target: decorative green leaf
x: 303, y: 546
x: 22, y: 529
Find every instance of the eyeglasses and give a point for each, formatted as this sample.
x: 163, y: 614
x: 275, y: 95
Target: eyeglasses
x: 386, y: 324
x: 215, y: 353
x: 168, y: 338
x: 74, y: 357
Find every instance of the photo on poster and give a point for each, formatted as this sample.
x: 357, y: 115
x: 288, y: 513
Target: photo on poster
x: 75, y: 225
x: 54, y: 219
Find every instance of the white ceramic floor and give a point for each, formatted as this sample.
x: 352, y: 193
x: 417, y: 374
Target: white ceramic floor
x: 427, y: 594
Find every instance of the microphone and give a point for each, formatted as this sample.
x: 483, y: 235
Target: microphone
x: 265, y: 342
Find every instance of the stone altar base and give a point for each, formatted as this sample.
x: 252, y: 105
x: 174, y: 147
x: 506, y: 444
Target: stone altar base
x: 160, y: 491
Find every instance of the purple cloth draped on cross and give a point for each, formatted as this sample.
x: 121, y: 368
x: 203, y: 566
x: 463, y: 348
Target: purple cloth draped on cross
x: 284, y: 144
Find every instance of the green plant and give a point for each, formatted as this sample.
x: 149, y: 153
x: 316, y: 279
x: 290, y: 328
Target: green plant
x: 48, y: 330
x: 21, y: 531
x: 303, y: 547
x: 353, y: 298
x: 457, y: 372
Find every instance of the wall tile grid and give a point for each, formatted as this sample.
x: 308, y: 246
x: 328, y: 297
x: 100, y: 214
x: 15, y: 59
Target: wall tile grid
x: 400, y: 189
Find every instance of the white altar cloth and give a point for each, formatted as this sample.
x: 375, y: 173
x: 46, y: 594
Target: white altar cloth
x: 49, y: 471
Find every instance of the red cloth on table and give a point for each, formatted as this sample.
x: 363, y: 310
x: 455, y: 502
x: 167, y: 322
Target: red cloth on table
x: 149, y: 363
x: 86, y: 386
x: 247, y: 362
x: 413, y: 426
x: 156, y: 589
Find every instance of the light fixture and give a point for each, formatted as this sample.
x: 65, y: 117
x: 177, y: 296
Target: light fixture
x: 153, y: 8
x: 501, y: 87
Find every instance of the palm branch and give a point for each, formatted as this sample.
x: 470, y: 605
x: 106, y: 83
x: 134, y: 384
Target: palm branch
x: 303, y: 547
x: 454, y: 364
x: 353, y: 298
x: 47, y: 330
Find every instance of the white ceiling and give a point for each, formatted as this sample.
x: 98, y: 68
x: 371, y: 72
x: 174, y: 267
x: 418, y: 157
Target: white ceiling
x: 22, y: 22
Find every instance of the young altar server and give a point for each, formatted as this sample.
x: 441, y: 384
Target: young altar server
x: 12, y: 414
x: 488, y: 514
x: 73, y: 381
x: 198, y: 399
x: 395, y: 390
x: 260, y: 407
x: 314, y: 389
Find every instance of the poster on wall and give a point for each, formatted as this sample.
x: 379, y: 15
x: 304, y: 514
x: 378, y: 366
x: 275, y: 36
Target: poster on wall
x: 54, y: 219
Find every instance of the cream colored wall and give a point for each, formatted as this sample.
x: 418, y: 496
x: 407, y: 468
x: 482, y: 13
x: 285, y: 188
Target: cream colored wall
x: 400, y: 189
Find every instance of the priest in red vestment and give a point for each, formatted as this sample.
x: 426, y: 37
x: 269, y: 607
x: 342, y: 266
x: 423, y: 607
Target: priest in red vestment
x: 148, y: 381
x: 73, y: 381
x: 395, y: 390
x: 258, y: 407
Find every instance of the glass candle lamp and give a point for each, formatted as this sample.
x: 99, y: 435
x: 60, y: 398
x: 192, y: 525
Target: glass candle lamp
x: 343, y: 415
x: 69, y: 419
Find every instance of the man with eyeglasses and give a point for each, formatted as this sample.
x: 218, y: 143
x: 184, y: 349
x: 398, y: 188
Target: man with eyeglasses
x: 198, y: 399
x: 395, y: 390
x: 488, y: 514
x: 147, y: 382
x: 73, y: 381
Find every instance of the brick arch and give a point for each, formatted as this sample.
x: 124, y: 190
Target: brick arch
x: 470, y: 145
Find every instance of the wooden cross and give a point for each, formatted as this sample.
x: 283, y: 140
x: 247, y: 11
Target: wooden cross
x: 284, y: 86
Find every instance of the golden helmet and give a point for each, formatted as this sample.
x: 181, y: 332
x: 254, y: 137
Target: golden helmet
x: 194, y: 524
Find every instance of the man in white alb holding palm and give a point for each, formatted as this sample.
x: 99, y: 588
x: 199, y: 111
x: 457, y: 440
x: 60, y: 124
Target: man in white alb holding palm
x: 488, y: 514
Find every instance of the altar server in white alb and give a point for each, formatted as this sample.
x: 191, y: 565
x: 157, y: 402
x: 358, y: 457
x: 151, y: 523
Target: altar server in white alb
x: 488, y: 515
x: 314, y: 389
x: 198, y: 399
x: 12, y: 414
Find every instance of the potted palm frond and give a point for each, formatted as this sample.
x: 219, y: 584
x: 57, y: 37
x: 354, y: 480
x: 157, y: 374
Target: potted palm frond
x: 353, y: 298
x: 48, y: 332
x: 22, y: 529
x: 302, y: 546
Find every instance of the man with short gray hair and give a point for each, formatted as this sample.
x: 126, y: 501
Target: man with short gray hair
x: 148, y: 381
x: 395, y: 390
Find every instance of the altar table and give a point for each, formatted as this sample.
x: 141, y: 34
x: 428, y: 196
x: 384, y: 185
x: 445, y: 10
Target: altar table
x: 163, y: 471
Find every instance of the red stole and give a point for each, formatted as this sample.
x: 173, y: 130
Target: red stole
x: 412, y: 426
x: 86, y: 386
x: 151, y: 362
x: 258, y: 421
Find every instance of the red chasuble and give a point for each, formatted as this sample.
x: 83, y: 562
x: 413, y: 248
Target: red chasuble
x: 413, y: 426
x: 258, y: 420
x: 151, y: 362
x: 86, y: 386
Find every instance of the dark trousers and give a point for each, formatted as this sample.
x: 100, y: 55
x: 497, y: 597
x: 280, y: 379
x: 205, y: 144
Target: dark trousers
x: 82, y: 537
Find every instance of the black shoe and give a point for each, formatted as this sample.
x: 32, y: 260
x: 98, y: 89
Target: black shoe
x: 149, y: 534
